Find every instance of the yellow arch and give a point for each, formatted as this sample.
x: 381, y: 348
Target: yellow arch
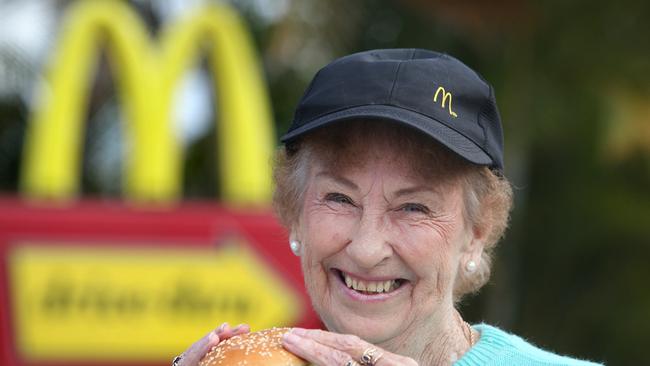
x: 147, y: 77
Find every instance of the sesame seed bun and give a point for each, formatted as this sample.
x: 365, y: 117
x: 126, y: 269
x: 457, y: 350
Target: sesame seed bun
x: 257, y: 348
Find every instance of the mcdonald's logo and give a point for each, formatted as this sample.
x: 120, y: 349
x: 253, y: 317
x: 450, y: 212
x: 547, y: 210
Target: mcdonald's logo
x: 147, y: 75
x: 121, y: 289
x: 445, y: 95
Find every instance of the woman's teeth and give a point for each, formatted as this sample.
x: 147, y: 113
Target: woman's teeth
x: 370, y: 286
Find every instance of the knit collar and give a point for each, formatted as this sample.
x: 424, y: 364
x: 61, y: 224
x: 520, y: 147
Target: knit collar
x: 491, y: 343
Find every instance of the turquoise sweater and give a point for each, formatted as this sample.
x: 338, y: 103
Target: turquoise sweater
x: 497, y: 348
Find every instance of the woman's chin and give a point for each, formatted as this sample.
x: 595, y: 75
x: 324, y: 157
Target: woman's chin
x: 371, y: 331
x: 374, y: 321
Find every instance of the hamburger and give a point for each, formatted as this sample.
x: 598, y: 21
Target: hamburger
x: 257, y: 348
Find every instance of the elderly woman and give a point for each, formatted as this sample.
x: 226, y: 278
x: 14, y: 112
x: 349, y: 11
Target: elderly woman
x: 391, y: 185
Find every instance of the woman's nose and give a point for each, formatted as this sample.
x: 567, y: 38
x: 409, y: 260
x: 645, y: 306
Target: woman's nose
x: 369, y: 245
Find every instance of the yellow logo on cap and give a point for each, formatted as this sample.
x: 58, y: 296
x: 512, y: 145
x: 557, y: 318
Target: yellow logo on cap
x: 445, y: 95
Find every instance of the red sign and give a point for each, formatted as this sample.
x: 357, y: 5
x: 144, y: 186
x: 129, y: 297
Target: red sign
x: 114, y: 283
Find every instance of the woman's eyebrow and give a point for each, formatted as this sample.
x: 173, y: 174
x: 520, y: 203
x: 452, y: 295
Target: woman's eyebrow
x: 415, y: 189
x: 337, y: 178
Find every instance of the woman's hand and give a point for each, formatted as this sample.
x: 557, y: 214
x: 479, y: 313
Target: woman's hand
x: 332, y: 349
x: 195, y: 353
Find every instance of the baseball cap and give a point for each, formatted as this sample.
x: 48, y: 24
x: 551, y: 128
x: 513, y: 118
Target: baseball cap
x: 426, y: 90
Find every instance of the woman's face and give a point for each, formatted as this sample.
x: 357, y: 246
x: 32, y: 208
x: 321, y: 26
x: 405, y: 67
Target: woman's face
x: 381, y: 246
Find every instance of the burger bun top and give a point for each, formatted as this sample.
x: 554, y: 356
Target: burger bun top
x: 258, y: 348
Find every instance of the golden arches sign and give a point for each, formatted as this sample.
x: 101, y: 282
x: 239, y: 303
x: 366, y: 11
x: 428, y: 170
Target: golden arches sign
x: 147, y: 76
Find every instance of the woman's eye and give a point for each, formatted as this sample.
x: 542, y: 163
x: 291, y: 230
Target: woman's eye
x: 338, y: 198
x: 415, y: 207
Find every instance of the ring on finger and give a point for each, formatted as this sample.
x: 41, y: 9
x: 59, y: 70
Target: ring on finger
x: 370, y: 356
x: 352, y: 363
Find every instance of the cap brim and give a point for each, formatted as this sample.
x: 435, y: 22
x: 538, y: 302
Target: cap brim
x: 442, y: 133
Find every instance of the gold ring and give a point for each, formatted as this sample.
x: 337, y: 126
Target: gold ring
x: 370, y: 356
x: 177, y: 360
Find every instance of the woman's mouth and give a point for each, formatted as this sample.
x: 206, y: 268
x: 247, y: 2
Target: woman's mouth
x: 367, y: 287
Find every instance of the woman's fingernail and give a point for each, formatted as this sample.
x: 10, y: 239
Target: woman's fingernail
x: 238, y: 327
x: 299, y: 331
x: 289, y: 337
x: 213, y: 337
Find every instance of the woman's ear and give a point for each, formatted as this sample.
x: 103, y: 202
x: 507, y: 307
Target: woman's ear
x: 294, y: 232
x: 473, y: 249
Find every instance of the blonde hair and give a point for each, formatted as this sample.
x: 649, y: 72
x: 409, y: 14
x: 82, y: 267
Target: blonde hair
x: 487, y: 196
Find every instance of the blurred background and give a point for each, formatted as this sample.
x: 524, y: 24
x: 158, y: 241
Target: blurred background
x: 572, y: 82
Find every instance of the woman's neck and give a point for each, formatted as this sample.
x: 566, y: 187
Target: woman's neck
x: 441, y: 342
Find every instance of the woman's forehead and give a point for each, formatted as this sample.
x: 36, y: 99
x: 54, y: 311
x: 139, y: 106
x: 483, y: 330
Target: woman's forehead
x: 418, y: 157
x: 396, y: 177
x: 370, y: 157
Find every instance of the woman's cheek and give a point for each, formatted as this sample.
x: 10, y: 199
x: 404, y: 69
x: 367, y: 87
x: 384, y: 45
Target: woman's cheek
x: 329, y: 215
x: 416, y: 235
x: 424, y: 248
x: 331, y: 232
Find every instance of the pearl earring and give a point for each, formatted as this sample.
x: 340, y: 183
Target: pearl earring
x: 470, y: 267
x: 295, y: 247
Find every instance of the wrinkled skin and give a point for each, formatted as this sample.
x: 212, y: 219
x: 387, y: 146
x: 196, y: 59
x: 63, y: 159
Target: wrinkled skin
x: 381, y: 220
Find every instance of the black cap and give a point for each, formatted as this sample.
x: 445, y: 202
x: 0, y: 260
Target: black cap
x: 432, y: 92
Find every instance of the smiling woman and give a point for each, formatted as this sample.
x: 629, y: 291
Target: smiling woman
x: 486, y: 197
x: 374, y: 222
x: 394, y: 201
x: 385, y: 225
